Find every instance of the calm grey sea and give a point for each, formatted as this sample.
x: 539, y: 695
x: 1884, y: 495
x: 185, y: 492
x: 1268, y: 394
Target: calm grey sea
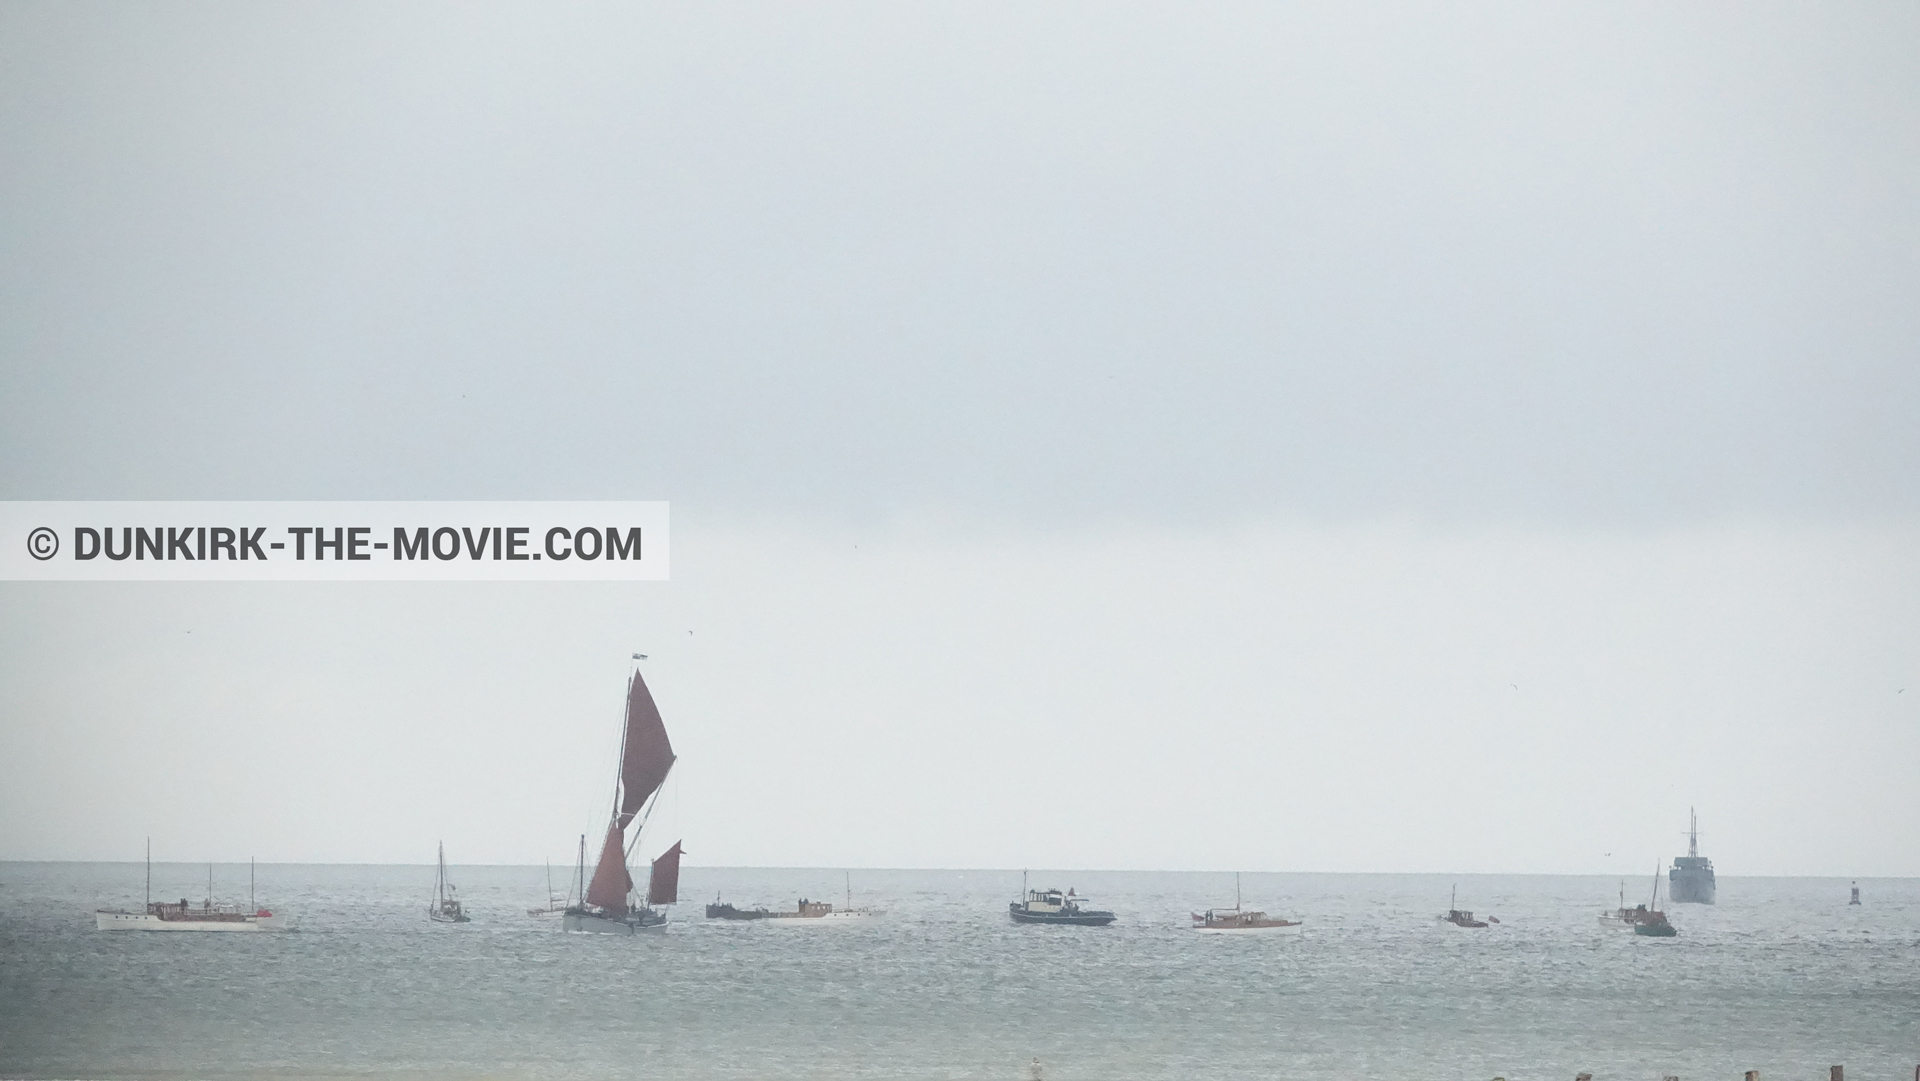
x: 1782, y: 976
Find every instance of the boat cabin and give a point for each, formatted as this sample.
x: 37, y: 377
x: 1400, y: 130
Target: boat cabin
x: 1047, y: 901
x: 209, y: 913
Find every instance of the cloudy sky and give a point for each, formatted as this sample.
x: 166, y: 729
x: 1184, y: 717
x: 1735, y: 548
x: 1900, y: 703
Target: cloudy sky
x: 1230, y: 436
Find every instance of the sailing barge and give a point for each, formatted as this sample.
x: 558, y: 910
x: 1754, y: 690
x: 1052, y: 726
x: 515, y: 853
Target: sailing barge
x: 608, y: 903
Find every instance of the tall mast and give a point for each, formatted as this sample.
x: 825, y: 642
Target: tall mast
x: 620, y: 760
x: 250, y: 903
x: 149, y: 874
x: 619, y: 778
x: 1693, y: 832
x: 1236, y: 891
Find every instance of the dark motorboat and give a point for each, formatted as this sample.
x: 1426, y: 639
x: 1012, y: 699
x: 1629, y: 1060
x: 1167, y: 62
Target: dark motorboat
x: 720, y: 911
x: 1052, y: 906
x: 1461, y: 917
x: 1653, y: 922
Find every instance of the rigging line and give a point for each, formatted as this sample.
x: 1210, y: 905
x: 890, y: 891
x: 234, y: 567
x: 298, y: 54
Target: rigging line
x: 620, y: 763
x: 647, y: 811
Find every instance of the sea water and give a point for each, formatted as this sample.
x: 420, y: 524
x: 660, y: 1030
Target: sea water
x: 1783, y: 976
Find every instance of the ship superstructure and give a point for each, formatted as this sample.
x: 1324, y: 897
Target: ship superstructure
x: 1690, y: 882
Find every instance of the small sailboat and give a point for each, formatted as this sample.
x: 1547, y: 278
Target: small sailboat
x: 1654, y: 923
x: 609, y: 903
x: 1235, y: 921
x: 1460, y: 917
x: 555, y: 903
x: 446, y: 907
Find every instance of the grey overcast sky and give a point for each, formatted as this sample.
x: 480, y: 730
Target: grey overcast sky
x: 1425, y: 437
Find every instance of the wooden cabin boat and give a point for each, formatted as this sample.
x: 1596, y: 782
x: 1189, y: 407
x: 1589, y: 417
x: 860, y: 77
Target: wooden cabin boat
x: 1235, y: 921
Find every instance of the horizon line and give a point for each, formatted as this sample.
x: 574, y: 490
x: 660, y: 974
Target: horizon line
x: 982, y: 870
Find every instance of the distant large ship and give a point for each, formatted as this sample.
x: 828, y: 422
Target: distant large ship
x: 1690, y: 882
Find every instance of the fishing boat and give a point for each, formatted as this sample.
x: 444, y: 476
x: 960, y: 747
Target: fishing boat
x: 1052, y: 906
x: 608, y: 902
x: 822, y: 914
x: 210, y: 916
x: 1654, y: 923
x: 1234, y: 921
x: 1460, y: 917
x: 555, y: 903
x: 445, y: 907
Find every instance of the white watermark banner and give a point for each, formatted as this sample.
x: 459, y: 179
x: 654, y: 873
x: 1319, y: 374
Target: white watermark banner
x: 332, y: 542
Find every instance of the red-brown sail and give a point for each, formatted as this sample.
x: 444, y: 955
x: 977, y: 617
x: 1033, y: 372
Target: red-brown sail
x: 611, y: 883
x: 648, y: 755
x: 663, y: 888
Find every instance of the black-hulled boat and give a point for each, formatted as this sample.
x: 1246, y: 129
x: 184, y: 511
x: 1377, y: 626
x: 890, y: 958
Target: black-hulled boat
x: 1653, y: 922
x: 719, y: 910
x: 1460, y: 917
x: 1052, y: 906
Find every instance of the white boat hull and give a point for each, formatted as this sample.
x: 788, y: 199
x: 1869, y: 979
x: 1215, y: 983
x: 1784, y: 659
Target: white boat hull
x: 831, y: 919
x: 107, y: 920
x: 1289, y: 929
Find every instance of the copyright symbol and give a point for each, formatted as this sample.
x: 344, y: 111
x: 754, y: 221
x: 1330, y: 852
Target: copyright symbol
x: 43, y: 543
